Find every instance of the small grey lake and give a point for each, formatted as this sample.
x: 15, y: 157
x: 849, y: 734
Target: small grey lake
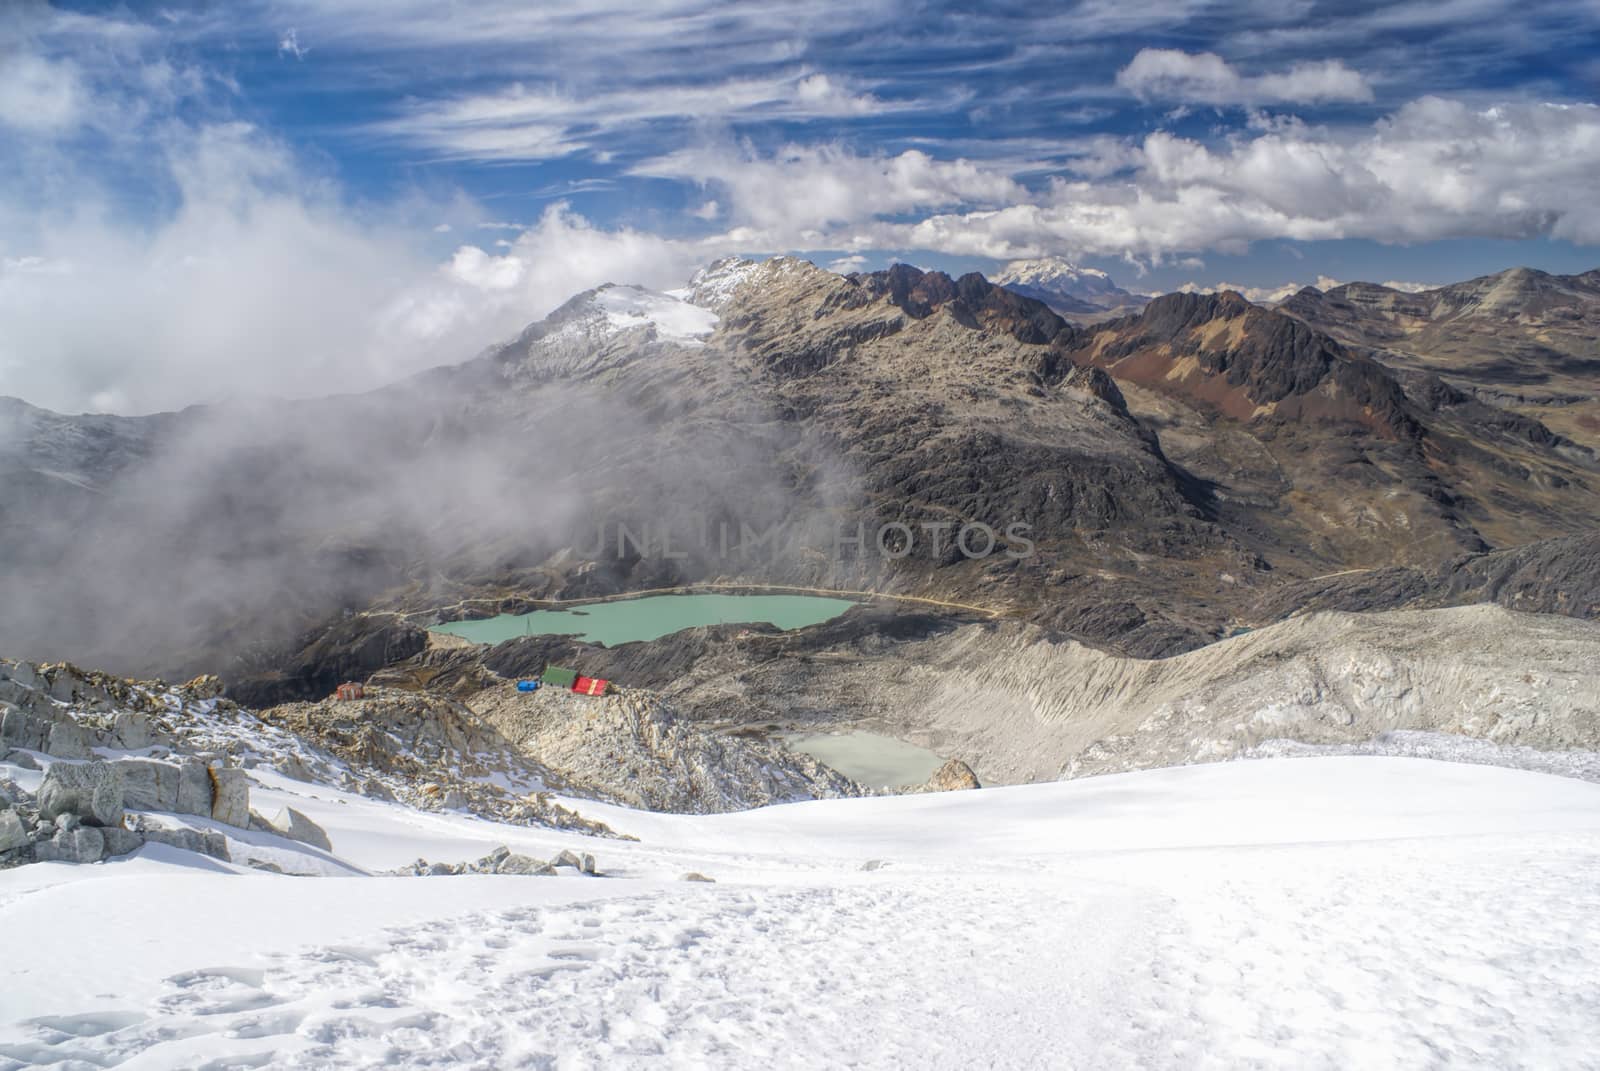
x: 873, y: 760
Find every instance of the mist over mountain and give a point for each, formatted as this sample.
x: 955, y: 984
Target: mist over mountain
x: 1166, y: 471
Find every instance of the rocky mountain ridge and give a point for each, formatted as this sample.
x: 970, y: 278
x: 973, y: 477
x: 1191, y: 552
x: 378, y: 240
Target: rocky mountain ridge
x: 1523, y: 339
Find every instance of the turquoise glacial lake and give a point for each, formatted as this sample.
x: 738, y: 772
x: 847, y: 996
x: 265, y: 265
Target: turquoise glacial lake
x: 651, y: 617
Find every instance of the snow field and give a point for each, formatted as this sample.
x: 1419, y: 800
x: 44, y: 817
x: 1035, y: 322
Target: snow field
x: 1293, y: 913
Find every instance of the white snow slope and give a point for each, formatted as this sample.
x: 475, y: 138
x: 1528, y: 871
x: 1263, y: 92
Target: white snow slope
x: 1340, y: 912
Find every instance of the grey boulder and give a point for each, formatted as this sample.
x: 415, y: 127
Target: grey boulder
x: 67, y: 740
x: 524, y: 864
x: 148, y: 785
x: 13, y: 834
x: 131, y: 732
x: 204, y: 842
x: 121, y: 841
x: 22, y: 759
x: 296, y: 826
x: 80, y: 844
x: 92, y: 791
x: 194, y: 790
x: 230, y: 796
x: 24, y: 729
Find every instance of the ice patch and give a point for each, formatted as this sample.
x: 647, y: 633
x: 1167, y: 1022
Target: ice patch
x: 626, y: 307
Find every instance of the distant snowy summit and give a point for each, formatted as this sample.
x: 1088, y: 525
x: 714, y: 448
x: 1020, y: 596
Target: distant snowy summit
x: 1066, y: 287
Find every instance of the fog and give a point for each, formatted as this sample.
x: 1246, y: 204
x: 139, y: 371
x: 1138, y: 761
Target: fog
x: 185, y: 542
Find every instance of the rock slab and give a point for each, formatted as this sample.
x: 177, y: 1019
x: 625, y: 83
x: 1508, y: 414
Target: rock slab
x: 90, y: 791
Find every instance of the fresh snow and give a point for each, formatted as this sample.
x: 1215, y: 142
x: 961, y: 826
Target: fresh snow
x: 1349, y: 911
x: 674, y: 319
x: 1045, y: 270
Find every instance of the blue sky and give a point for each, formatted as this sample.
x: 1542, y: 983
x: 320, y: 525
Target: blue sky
x: 462, y: 167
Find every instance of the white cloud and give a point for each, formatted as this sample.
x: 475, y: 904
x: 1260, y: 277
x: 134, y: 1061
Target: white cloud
x: 478, y: 269
x: 1434, y: 169
x: 289, y: 45
x: 821, y: 95
x: 1261, y: 295
x: 790, y: 198
x: 529, y: 122
x: 264, y: 281
x: 38, y: 94
x: 478, y: 297
x: 1165, y: 74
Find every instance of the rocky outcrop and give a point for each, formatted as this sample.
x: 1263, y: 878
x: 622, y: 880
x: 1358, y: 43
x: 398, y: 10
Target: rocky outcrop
x: 504, y: 861
x: 633, y: 748
x: 317, y: 663
x: 72, y: 844
x: 431, y: 751
x: 953, y: 776
x: 291, y: 823
x: 1019, y: 703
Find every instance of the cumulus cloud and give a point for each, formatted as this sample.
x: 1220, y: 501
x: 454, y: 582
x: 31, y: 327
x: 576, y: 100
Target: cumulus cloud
x: 477, y: 297
x: 1165, y: 74
x: 1261, y: 295
x: 794, y: 195
x: 1435, y: 169
x: 263, y: 281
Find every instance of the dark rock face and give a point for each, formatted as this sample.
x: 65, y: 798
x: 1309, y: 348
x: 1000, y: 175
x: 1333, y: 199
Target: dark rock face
x: 350, y: 650
x: 1553, y: 576
x: 1556, y: 576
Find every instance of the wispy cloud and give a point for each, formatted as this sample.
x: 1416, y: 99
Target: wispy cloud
x: 526, y: 122
x: 289, y: 45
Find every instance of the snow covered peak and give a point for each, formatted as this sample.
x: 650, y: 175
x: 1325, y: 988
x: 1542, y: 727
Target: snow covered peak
x: 714, y: 285
x: 1046, y: 270
x: 674, y: 318
x: 717, y: 284
x: 1064, y: 286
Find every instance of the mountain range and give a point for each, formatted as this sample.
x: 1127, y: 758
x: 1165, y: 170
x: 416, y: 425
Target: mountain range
x: 1153, y: 481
